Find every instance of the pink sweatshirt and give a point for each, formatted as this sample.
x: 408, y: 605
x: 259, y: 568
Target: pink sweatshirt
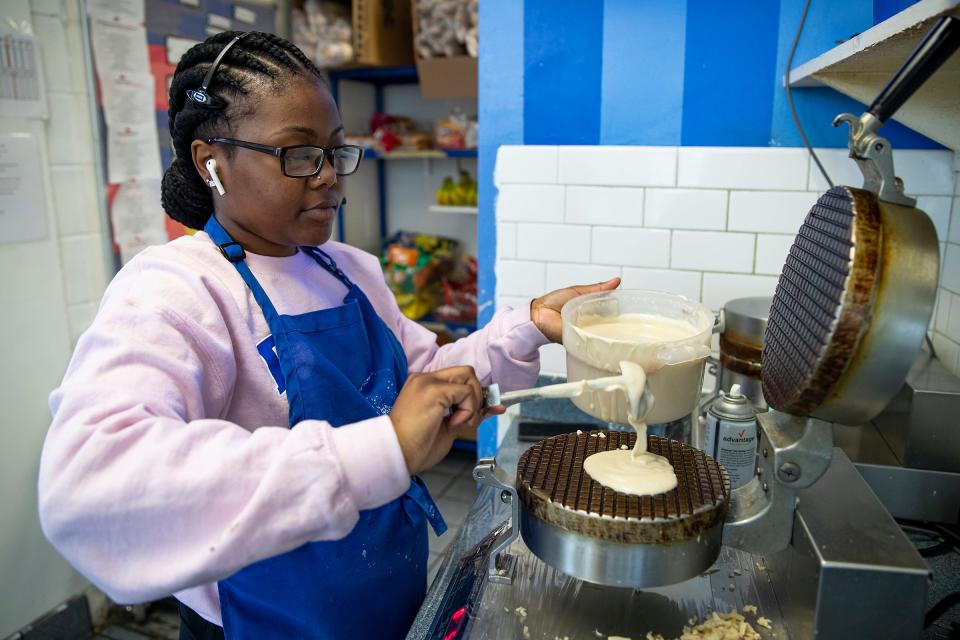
x: 170, y: 463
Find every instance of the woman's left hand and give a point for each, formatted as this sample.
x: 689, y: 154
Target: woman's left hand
x: 545, y: 310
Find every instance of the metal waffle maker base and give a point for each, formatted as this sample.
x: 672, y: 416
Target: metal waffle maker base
x: 594, y: 533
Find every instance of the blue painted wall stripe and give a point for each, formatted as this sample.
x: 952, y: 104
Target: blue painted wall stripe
x: 731, y: 56
x: 562, y: 71
x: 642, y: 84
x: 827, y: 24
x: 500, y: 109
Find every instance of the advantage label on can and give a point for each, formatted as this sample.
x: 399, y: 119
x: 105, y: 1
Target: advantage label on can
x: 732, y: 443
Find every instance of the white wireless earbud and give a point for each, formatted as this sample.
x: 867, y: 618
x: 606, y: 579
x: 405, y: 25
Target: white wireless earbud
x: 214, y: 181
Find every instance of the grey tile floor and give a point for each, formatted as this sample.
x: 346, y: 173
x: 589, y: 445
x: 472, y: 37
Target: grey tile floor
x: 452, y: 487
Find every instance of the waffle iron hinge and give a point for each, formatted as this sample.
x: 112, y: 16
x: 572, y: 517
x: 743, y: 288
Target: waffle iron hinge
x: 874, y: 155
x: 793, y: 453
x: 502, y: 563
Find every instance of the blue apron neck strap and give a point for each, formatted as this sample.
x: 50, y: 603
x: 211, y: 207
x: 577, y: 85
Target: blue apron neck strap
x: 328, y: 263
x: 235, y: 254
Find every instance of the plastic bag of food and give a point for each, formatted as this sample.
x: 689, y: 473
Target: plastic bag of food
x: 414, y: 266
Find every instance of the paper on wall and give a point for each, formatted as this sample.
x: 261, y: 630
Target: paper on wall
x: 133, y: 153
x: 129, y: 11
x: 118, y: 46
x: 137, y: 217
x: 128, y: 100
x: 23, y: 210
x: 22, y: 90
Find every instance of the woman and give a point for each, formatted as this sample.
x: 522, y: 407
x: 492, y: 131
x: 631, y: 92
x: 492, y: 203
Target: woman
x: 238, y: 426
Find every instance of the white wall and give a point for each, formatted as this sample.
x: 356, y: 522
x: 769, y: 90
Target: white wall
x: 49, y: 292
x: 712, y: 223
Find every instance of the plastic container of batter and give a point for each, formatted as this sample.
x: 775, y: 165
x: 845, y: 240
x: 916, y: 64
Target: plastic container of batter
x: 673, y: 358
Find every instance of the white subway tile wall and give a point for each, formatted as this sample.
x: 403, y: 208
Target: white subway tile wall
x: 556, y: 242
x: 686, y: 209
x: 69, y: 160
x: 617, y: 166
x: 631, y: 247
x: 516, y: 278
x: 506, y: 239
x: 772, y: 253
x: 530, y: 203
x: 712, y: 251
x: 605, y: 205
x: 526, y: 165
x: 710, y: 223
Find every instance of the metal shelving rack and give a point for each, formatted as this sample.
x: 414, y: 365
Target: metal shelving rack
x: 380, y: 77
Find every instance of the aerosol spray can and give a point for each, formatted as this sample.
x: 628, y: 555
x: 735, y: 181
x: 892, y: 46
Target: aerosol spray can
x: 731, y: 435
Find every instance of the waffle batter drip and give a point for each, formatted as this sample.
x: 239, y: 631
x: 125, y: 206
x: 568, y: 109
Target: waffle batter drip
x: 638, y: 471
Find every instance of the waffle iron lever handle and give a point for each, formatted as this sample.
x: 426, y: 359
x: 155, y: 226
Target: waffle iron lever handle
x: 502, y: 563
x: 935, y: 48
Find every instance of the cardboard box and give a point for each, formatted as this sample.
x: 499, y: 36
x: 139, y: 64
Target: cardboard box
x: 382, y: 33
x: 448, y: 77
x: 454, y: 77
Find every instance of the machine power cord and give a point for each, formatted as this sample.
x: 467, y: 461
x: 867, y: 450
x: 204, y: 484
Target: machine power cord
x: 936, y: 611
x: 793, y: 109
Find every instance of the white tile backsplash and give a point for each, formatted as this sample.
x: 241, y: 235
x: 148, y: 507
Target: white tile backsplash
x: 516, y: 278
x: 772, y: 252
x: 938, y: 208
x: 506, y: 239
x: 631, y: 247
x: 709, y: 223
x: 553, y: 360
x: 619, y: 166
x: 84, y: 268
x: 686, y: 283
x: 81, y: 317
x: 56, y: 63
x: 954, y: 233
x: 839, y: 166
x: 565, y: 275
x: 769, y: 211
x: 712, y: 251
x: 950, y: 273
x: 686, y: 209
x: 942, y: 311
x: 526, y: 165
x: 953, y: 320
x: 554, y: 242
x: 46, y: 8
x: 75, y: 199
x: 69, y: 136
x: 924, y: 172
x: 742, y: 168
x: 718, y: 288
x: 605, y: 205
x: 948, y: 351
x: 530, y: 203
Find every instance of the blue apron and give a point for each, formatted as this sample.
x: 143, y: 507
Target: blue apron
x: 341, y: 365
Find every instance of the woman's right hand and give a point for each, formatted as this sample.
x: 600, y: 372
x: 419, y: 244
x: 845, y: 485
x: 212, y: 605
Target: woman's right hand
x: 432, y: 410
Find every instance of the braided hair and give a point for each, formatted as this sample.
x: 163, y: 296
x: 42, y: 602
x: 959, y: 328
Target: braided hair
x: 258, y: 60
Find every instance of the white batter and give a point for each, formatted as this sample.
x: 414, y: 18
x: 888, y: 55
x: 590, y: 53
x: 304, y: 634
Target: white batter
x: 636, y: 472
x: 638, y: 327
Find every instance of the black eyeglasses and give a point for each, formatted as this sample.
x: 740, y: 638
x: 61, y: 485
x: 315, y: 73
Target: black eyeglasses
x: 305, y: 160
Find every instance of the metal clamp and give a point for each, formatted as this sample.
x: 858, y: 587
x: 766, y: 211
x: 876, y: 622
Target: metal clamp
x: 502, y: 563
x: 874, y: 155
x: 793, y: 453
